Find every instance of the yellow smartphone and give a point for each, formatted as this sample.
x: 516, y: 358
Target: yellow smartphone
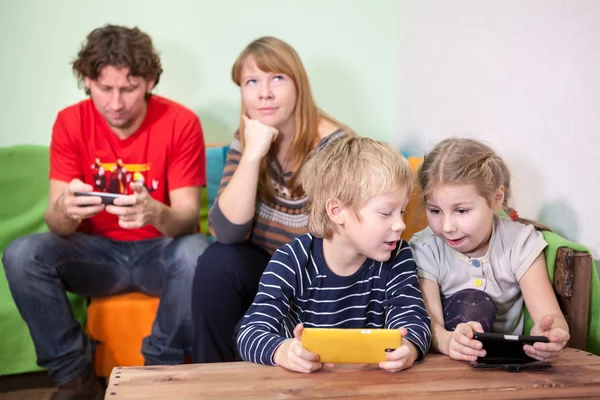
x: 351, y: 346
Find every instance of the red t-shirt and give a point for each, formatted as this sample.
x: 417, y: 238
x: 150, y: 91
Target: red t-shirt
x: 166, y: 153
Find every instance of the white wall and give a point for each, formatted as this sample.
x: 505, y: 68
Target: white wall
x: 525, y: 77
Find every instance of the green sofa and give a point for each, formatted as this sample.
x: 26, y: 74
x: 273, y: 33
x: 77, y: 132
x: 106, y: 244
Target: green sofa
x: 24, y: 182
x: 24, y: 179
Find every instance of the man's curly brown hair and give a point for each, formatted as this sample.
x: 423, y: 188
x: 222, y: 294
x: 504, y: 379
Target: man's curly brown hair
x: 118, y: 46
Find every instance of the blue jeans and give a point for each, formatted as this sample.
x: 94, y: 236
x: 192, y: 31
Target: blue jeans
x: 41, y: 267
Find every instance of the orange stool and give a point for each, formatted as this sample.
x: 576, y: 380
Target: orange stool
x: 120, y: 323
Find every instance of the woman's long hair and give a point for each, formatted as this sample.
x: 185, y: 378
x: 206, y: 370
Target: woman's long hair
x: 276, y: 56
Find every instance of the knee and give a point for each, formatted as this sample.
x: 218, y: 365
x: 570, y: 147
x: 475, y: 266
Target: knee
x: 219, y: 260
x: 215, y: 275
x: 22, y: 254
x: 12, y: 258
x: 469, y: 299
x: 186, y: 250
x: 470, y: 305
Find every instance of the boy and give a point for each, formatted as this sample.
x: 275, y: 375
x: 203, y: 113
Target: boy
x: 351, y: 271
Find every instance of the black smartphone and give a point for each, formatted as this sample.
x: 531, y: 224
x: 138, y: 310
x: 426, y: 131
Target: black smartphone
x: 506, y: 352
x: 107, y: 198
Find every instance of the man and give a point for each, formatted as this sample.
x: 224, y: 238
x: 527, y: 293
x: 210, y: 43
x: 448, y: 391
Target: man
x: 145, y: 242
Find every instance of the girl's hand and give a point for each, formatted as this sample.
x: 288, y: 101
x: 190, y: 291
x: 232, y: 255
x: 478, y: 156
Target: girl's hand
x: 258, y: 138
x: 291, y: 355
x: 461, y: 345
x: 401, y: 358
x: 558, y: 338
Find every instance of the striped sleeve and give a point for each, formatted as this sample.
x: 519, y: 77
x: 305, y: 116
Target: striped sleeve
x: 404, y: 303
x: 219, y: 226
x: 261, y: 331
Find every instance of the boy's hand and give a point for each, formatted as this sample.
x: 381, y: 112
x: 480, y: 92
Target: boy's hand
x: 461, y: 345
x: 291, y: 355
x: 401, y: 358
x: 547, y: 351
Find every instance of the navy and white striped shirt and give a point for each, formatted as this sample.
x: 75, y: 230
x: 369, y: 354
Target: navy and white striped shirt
x: 298, y: 287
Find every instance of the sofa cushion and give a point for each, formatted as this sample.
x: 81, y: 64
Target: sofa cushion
x: 215, y: 163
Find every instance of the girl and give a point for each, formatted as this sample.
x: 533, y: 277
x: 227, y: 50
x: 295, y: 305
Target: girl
x: 476, y: 268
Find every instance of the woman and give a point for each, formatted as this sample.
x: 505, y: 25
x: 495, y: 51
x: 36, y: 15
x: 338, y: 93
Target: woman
x: 260, y: 205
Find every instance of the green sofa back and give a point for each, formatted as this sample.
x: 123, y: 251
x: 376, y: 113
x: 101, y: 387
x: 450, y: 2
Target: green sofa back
x: 24, y: 179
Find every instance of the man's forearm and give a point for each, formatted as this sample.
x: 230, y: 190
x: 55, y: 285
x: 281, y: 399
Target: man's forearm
x: 173, y: 222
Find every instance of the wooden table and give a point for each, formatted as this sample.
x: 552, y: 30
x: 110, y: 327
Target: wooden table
x: 575, y: 375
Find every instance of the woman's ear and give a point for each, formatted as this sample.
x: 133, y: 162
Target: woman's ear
x: 335, y: 211
x: 499, y: 198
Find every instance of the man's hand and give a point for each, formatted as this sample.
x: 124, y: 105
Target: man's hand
x: 461, y: 344
x: 291, y: 355
x: 558, y: 338
x: 78, y: 207
x: 136, y: 210
x: 401, y: 358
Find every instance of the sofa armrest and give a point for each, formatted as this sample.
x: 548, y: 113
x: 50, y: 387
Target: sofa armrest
x: 572, y: 276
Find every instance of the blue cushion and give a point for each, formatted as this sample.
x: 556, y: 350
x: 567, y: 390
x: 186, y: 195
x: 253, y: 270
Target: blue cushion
x: 215, y: 163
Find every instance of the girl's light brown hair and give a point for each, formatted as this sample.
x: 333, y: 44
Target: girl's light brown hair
x: 275, y: 55
x: 460, y: 161
x: 351, y: 170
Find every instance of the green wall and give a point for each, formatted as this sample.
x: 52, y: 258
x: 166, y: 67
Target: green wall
x: 348, y: 48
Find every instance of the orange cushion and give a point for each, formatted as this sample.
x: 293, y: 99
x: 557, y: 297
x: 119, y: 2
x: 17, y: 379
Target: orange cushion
x: 415, y: 218
x: 120, y: 323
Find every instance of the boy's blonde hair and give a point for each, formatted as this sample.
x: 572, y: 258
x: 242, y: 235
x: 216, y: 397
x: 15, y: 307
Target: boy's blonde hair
x: 352, y: 170
x: 461, y: 161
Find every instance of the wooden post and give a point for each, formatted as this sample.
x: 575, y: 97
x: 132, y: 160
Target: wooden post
x: 572, y: 275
